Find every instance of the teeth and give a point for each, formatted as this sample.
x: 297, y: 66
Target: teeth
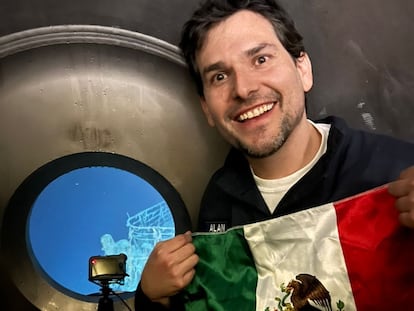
x: 255, y: 112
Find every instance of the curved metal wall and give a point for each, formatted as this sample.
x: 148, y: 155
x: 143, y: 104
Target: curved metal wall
x: 95, y: 76
x: 113, y: 81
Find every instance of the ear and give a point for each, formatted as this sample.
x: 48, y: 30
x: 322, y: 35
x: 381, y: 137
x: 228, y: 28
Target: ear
x: 304, y: 66
x: 206, y: 111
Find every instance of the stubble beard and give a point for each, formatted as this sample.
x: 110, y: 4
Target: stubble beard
x: 288, y: 124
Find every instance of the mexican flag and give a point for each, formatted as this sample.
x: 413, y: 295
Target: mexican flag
x: 348, y: 255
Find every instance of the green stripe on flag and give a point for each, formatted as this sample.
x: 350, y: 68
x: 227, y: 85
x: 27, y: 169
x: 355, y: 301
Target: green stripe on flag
x: 225, y: 258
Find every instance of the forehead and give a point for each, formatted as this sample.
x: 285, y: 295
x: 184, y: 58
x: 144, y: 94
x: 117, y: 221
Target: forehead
x: 236, y: 34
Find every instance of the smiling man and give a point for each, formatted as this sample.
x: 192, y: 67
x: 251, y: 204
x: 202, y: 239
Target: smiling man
x: 254, y: 95
x: 252, y: 74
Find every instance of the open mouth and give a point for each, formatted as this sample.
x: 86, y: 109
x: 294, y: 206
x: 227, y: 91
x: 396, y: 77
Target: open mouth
x: 255, y: 112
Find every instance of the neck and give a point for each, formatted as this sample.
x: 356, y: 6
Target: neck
x: 298, y: 150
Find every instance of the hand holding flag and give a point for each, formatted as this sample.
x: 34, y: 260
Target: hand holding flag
x: 403, y: 190
x: 169, y: 268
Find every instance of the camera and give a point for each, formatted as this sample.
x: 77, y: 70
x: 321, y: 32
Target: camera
x: 107, y: 269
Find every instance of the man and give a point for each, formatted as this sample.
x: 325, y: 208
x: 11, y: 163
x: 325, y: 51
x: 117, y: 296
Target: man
x: 252, y: 75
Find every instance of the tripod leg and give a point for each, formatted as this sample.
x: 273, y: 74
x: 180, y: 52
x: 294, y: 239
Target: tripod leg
x: 105, y: 304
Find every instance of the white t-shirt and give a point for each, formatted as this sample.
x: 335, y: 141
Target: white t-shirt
x: 273, y: 190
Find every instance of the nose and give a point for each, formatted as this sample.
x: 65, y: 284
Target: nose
x: 245, y: 83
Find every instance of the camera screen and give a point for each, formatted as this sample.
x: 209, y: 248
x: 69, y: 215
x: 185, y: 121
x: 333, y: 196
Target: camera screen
x: 107, y: 268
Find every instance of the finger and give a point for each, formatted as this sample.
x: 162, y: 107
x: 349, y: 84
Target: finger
x: 180, y: 240
x: 171, y: 245
x: 180, y: 255
x: 407, y: 219
x: 189, y: 263
x: 188, y: 277
x: 407, y: 173
x: 186, y: 271
x: 398, y: 188
x: 403, y: 204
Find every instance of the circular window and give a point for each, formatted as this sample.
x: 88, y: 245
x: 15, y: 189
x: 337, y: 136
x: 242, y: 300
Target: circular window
x: 91, y: 204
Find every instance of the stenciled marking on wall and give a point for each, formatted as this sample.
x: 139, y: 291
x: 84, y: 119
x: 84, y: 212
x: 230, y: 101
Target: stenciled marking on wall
x: 367, y: 117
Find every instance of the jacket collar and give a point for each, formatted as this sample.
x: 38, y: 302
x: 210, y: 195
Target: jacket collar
x: 236, y: 178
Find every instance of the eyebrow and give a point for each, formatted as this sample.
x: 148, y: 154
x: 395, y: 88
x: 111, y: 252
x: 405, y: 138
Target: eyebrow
x: 212, y: 67
x: 250, y: 52
x: 258, y: 48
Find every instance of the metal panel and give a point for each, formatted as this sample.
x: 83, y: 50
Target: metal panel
x: 70, y: 89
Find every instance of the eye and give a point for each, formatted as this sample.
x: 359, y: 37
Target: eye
x: 261, y: 60
x: 219, y: 77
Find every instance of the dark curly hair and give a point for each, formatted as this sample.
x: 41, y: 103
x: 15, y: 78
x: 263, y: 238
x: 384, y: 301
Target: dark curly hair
x: 212, y: 12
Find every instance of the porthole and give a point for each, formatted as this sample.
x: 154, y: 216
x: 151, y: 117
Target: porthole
x: 90, y: 204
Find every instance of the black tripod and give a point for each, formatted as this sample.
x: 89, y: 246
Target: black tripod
x: 105, y: 303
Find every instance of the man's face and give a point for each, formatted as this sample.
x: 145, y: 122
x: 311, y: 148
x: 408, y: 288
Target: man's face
x: 253, y: 88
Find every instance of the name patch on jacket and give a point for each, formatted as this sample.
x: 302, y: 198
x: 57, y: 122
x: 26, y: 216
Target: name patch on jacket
x: 216, y: 226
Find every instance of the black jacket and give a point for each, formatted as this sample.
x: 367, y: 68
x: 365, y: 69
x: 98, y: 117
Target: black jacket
x: 355, y: 161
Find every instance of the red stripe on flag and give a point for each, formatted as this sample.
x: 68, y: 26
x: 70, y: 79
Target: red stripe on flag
x: 378, y: 251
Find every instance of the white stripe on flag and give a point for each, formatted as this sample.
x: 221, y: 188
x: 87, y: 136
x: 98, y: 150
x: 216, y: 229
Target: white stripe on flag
x: 305, y: 242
